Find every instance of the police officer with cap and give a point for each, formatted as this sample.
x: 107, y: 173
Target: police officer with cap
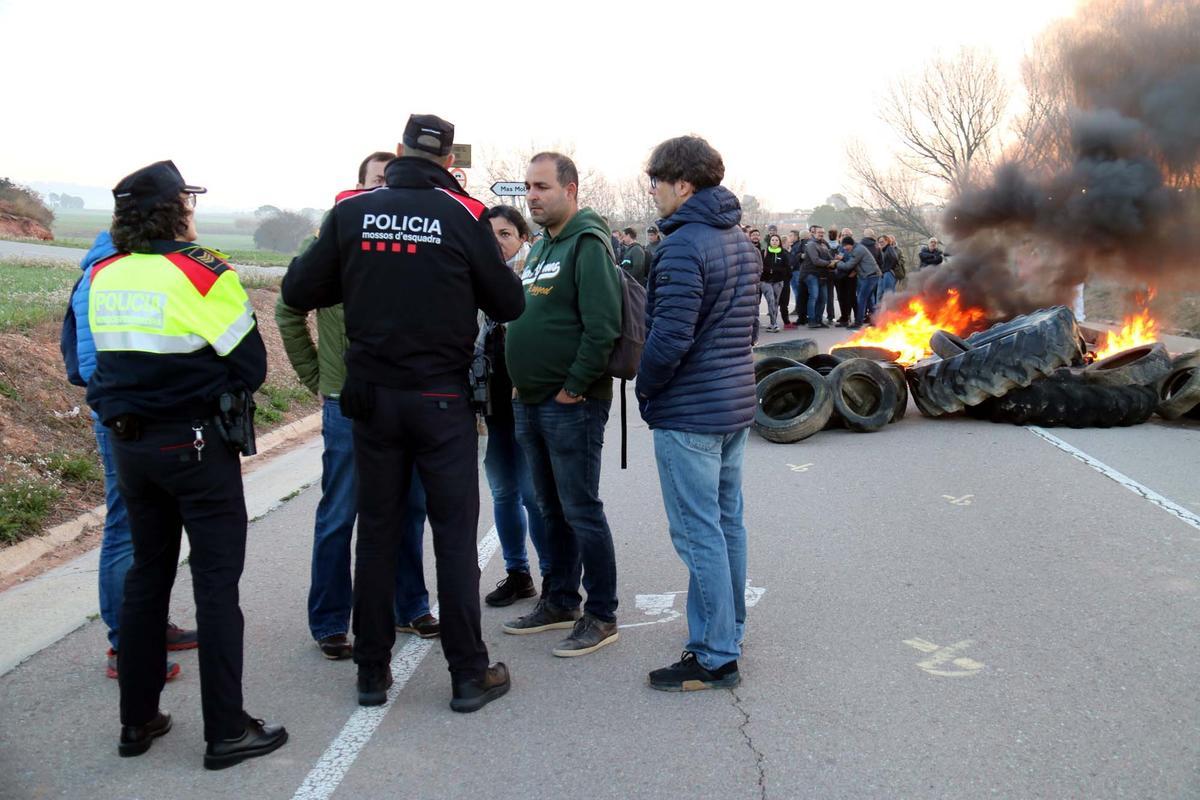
x: 413, y: 262
x: 175, y: 334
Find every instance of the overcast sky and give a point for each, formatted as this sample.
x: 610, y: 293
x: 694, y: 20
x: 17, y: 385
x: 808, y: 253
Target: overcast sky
x: 278, y: 102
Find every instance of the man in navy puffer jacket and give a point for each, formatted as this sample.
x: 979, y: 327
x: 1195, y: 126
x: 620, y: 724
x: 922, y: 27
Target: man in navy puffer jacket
x: 695, y: 387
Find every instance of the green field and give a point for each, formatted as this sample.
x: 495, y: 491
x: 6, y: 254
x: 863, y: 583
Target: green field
x: 32, y: 292
x: 232, y: 234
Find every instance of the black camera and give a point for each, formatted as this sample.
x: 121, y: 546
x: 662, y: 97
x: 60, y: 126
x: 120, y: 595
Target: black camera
x: 479, y: 378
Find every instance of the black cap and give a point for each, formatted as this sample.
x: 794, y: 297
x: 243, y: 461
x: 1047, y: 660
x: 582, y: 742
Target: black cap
x: 652, y: 229
x: 429, y: 133
x: 154, y: 184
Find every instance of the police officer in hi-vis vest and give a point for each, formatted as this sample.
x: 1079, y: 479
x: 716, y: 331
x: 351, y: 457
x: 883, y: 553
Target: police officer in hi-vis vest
x: 178, y: 355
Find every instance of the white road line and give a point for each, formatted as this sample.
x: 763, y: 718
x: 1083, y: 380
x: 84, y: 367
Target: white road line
x: 337, y: 759
x: 1129, y: 483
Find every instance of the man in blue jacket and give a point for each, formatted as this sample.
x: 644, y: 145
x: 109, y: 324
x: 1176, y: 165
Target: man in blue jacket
x: 695, y: 387
x: 116, y: 547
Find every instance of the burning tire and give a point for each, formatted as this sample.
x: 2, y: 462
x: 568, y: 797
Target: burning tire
x: 1000, y: 359
x: 863, y: 394
x: 770, y: 365
x: 798, y: 350
x: 1138, y: 366
x: 823, y: 363
x: 1069, y: 400
x: 873, y: 353
x: 793, y: 404
x: 946, y: 345
x: 896, y: 373
x: 1179, y: 392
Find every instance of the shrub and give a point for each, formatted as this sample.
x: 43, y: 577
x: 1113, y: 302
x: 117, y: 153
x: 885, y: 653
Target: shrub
x: 283, y: 232
x: 22, y: 201
x: 24, y: 504
x: 75, y: 468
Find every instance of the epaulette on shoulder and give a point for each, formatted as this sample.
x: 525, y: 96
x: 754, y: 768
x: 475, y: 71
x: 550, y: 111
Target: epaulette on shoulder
x: 213, y: 260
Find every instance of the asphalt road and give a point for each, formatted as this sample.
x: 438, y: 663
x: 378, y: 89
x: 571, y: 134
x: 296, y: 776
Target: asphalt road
x: 946, y: 608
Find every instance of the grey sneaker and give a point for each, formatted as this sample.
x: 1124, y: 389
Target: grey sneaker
x: 589, y: 635
x: 544, y: 617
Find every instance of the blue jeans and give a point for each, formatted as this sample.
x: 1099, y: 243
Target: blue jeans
x: 886, y: 284
x: 330, y: 595
x: 513, y: 498
x: 867, y: 286
x: 116, y: 548
x: 562, y: 444
x: 701, y: 477
x: 816, y: 297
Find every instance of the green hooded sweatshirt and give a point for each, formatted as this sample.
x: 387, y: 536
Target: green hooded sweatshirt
x: 572, y: 314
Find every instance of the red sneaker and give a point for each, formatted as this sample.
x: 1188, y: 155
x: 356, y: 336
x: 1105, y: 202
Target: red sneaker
x: 180, y: 639
x: 111, y: 670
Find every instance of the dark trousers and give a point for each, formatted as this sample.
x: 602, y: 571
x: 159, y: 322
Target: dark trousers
x: 435, y: 431
x: 847, y: 297
x: 785, y: 298
x: 562, y: 444
x: 801, y: 293
x: 166, y: 489
x: 830, y: 289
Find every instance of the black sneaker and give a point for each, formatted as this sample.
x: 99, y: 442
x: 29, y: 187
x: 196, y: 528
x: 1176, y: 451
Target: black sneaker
x: 374, y: 680
x: 473, y: 695
x: 589, y: 635
x: 136, y: 739
x: 256, y: 740
x: 516, y: 586
x: 336, y: 647
x: 686, y: 675
x: 544, y: 617
x: 425, y: 626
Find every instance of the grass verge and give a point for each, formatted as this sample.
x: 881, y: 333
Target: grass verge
x: 32, y: 292
x: 24, y: 504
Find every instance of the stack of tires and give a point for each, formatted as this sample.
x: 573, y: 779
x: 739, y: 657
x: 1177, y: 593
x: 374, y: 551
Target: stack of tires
x: 805, y: 392
x: 1029, y: 371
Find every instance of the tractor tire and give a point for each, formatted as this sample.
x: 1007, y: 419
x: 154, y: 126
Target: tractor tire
x: 1066, y: 399
x: 793, y: 404
x: 1004, y: 357
x: 863, y: 394
x: 873, y: 353
x: 823, y: 362
x: 770, y: 364
x: 896, y: 373
x: 946, y: 345
x: 798, y: 350
x: 1138, y: 366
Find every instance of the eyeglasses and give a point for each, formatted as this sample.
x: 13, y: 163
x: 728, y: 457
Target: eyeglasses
x: 190, y: 202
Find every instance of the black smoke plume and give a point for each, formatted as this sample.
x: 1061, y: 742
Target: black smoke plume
x: 1122, y: 204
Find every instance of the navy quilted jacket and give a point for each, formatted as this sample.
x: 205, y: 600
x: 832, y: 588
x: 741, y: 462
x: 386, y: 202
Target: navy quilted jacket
x: 697, y: 373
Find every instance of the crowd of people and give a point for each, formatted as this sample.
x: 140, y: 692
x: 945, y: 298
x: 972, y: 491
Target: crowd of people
x: 414, y: 284
x: 802, y: 277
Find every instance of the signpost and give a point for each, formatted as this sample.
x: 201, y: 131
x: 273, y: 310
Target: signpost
x: 460, y: 176
x: 508, y: 189
x: 462, y: 155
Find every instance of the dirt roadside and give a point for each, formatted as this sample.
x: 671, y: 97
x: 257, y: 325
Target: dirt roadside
x: 45, y: 423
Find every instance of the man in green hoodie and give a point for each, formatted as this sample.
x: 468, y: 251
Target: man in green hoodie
x: 322, y: 368
x: 557, y: 354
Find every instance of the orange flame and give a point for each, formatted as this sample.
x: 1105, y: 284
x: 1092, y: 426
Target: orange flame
x: 1140, y: 328
x: 908, y: 334
x: 1137, y: 329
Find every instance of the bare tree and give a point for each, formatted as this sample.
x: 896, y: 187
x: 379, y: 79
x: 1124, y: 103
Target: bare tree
x: 596, y: 191
x: 1042, y: 132
x: 894, y: 198
x: 948, y: 118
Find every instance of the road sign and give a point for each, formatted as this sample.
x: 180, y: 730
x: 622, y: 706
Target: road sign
x: 508, y: 189
x: 460, y: 176
x: 462, y: 155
